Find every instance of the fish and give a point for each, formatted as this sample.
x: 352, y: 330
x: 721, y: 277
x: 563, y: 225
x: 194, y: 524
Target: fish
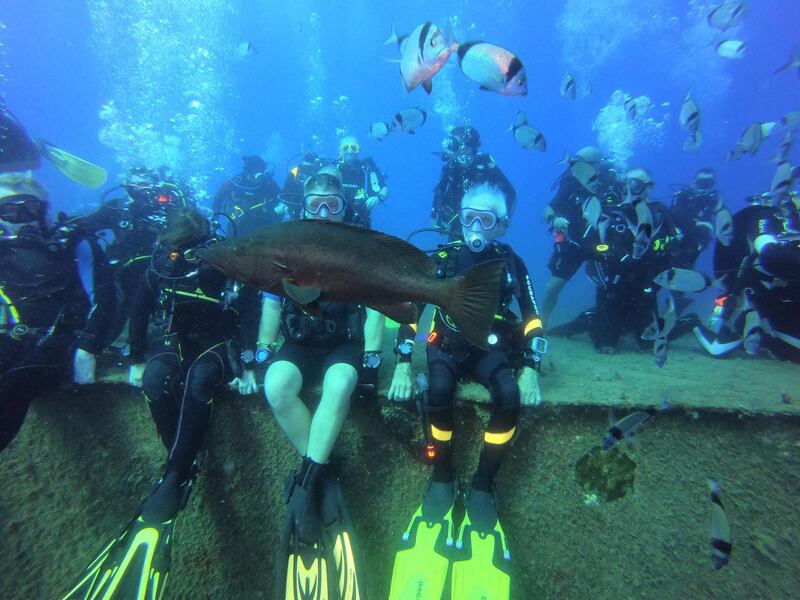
x: 750, y: 140
x: 721, y: 545
x: 587, y: 89
x: 723, y: 226
x: 312, y: 260
x: 782, y: 180
x: 693, y: 142
x: 643, y: 231
x: 18, y: 151
x: 379, y: 130
x: 626, y: 427
x: 592, y: 211
x: 586, y: 175
x: 733, y: 49
x: 423, y: 53
x: 690, y: 115
x: 784, y: 150
x: 727, y: 15
x: 682, y: 280
x: 630, y: 108
x: 660, y: 347
x: 793, y: 63
x: 568, y: 87
x: 409, y: 120
x: 663, y: 323
x: 527, y: 136
x: 494, y: 68
x: 791, y: 121
x: 751, y: 334
x: 245, y: 49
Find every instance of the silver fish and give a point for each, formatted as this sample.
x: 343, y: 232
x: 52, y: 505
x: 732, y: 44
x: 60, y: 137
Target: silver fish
x: 693, y: 142
x: 494, y: 68
x: 682, y: 280
x: 643, y: 231
x: 592, y: 211
x: 794, y: 62
x: 721, y: 545
x: 423, y: 53
x: 750, y: 140
x: 568, y: 87
x: 784, y: 149
x: 586, y: 174
x: 727, y: 15
x: 733, y: 49
x: 723, y: 226
x: 689, y: 117
x: 409, y: 120
x: 660, y: 348
x: 782, y: 180
x: 245, y: 49
x: 662, y: 323
x: 527, y: 136
x: 379, y: 130
x: 630, y: 108
x: 626, y: 427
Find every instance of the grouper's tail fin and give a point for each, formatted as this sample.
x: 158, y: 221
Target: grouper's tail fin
x: 474, y: 300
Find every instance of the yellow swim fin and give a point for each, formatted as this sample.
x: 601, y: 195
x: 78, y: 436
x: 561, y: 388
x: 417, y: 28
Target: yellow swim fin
x: 77, y: 169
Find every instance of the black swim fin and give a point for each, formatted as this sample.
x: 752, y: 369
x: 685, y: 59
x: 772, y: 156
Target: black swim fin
x: 338, y: 538
x: 136, y: 563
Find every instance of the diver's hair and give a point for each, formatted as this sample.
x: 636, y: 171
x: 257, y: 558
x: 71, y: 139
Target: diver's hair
x: 323, y: 182
x: 184, y: 228
x: 486, y: 197
x: 638, y: 172
x: 22, y: 183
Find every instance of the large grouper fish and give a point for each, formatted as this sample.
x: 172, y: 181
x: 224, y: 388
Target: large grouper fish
x: 310, y: 260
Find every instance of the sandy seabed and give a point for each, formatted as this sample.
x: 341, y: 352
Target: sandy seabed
x: 86, y: 458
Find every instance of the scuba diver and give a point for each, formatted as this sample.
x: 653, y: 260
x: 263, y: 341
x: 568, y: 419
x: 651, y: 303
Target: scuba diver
x: 135, y: 219
x: 20, y: 152
x: 514, y: 344
x: 635, y: 239
x: 291, y: 195
x: 760, y: 271
x: 316, y: 552
x: 364, y: 183
x: 56, y: 302
x: 694, y: 211
x: 250, y: 199
x: 588, y: 175
x: 464, y: 167
x: 209, y: 332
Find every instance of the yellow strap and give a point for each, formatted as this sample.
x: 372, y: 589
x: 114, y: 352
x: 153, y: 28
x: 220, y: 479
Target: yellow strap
x: 440, y: 435
x: 433, y: 321
x: 535, y: 323
x: 499, y: 438
x: 413, y: 327
x: 12, y: 310
x: 198, y: 294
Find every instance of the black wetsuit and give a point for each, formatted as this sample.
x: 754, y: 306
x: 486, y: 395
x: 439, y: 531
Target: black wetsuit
x: 313, y: 343
x: 360, y: 180
x: 693, y: 212
x: 207, y: 323
x: 455, y: 180
x: 626, y: 294
x: 451, y: 357
x: 771, y: 277
x: 55, y: 296
x: 571, y: 250
x: 250, y: 205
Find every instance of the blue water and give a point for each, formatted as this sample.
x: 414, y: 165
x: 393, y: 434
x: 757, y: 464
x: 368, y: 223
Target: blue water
x: 123, y: 82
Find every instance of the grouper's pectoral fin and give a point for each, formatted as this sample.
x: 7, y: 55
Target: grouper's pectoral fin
x: 300, y: 295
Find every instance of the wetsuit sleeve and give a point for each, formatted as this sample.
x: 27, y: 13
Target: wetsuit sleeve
x: 141, y: 309
x: 97, y: 280
x: 409, y: 331
x: 105, y: 217
x: 222, y: 196
x: 532, y: 322
x: 379, y: 175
